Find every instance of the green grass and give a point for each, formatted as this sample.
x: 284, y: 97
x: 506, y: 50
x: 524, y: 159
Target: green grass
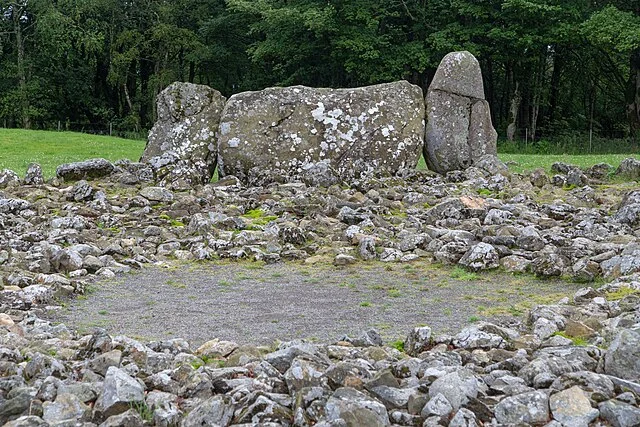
x: 529, y: 162
x: 462, y: 274
x: 20, y: 147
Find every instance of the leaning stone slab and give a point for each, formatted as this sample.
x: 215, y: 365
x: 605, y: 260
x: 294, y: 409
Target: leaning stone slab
x: 93, y: 168
x: 459, y: 130
x: 321, y: 136
x: 181, y: 146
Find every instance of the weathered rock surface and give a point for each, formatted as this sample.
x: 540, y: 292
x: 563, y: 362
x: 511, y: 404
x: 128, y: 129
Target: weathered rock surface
x: 571, y: 362
x: 182, y: 144
x: 88, y: 169
x: 629, y: 168
x: 459, y: 130
x: 321, y: 136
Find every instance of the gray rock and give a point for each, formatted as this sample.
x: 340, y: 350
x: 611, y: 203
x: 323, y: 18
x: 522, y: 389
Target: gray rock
x: 629, y: 168
x: 393, y: 397
x: 101, y: 363
x: 623, y: 357
x: 457, y: 387
x: 438, y: 405
x: 459, y: 73
x: 13, y: 205
x: 81, y: 191
x: 418, y: 340
x: 530, y: 408
x: 463, y: 418
x: 481, y: 256
x: 515, y: 264
x: 368, y: 338
x: 216, y: 411
x: 8, y: 177
x: 628, y: 214
x: 599, y: 387
x: 548, y: 265
x: 157, y: 194
x: 130, y: 418
x: 66, y: 407
x: 620, y: 414
x: 14, y: 406
x: 484, y: 335
x: 182, y: 144
x: 34, y: 175
x: 119, y: 392
x: 491, y: 164
x: 628, y: 262
x: 557, y: 361
x: 376, y: 130
x: 539, y: 178
x: 572, y: 407
x: 303, y: 373
x: 530, y: 239
x: 459, y: 130
x: 27, y: 421
x: 356, y: 409
x: 94, y: 168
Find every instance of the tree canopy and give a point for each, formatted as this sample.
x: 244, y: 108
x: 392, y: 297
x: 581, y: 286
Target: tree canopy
x: 551, y: 67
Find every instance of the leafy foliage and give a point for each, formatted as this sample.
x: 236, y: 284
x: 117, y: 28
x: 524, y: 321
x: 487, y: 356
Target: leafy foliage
x: 572, y: 64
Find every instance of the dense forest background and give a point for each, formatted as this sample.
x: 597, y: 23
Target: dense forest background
x: 554, y: 70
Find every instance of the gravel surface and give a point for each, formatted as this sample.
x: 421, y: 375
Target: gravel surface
x: 252, y: 303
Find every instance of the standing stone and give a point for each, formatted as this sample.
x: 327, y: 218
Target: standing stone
x: 295, y: 133
x: 34, y: 175
x: 181, y: 147
x: 459, y: 129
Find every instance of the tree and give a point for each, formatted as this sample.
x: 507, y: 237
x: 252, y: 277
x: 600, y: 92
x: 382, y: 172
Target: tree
x: 617, y: 33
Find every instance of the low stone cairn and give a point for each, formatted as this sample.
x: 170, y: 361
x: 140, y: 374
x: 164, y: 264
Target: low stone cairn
x: 575, y: 362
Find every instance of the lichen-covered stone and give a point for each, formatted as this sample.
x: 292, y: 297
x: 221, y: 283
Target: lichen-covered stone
x: 459, y: 130
x: 282, y: 134
x: 93, y: 168
x: 182, y: 144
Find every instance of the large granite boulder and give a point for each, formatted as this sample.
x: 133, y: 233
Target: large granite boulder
x: 321, y: 136
x: 459, y: 130
x: 182, y: 144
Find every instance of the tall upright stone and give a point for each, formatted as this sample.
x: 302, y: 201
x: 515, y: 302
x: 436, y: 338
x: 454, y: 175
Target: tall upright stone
x: 321, y: 136
x: 459, y: 129
x: 181, y: 147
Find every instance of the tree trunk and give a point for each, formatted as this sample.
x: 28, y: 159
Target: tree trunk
x: 633, y: 97
x: 22, y: 72
x: 513, y: 110
x: 555, y: 85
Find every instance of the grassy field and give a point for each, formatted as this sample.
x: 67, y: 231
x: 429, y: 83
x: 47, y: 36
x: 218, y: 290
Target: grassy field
x: 18, y: 148
x: 529, y: 162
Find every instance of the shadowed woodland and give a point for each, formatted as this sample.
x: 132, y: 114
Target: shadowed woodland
x: 554, y: 70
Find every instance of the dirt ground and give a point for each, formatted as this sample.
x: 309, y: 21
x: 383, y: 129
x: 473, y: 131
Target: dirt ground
x: 254, y: 303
